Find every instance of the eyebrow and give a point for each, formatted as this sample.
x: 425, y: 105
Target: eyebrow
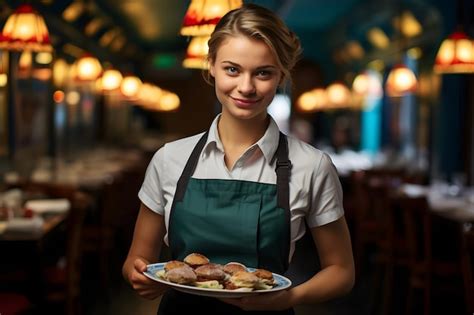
x: 258, y: 68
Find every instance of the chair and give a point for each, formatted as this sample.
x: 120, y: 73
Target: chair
x: 100, y: 231
x: 372, y: 224
x: 467, y: 258
x: 423, y: 261
x: 63, y: 283
x: 62, y: 278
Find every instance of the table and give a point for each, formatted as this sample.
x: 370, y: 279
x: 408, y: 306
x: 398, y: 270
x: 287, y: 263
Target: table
x: 25, y: 253
x: 456, y: 207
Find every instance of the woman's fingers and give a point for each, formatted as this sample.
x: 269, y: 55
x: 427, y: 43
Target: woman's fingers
x: 140, y: 265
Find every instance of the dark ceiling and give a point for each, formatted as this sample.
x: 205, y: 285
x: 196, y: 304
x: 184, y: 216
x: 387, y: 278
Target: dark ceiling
x: 145, y: 33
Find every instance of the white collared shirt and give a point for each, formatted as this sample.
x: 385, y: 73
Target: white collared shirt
x: 315, y: 190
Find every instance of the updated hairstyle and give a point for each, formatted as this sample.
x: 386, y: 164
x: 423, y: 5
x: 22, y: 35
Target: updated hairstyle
x: 258, y: 23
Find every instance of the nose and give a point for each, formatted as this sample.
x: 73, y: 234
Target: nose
x: 246, y: 85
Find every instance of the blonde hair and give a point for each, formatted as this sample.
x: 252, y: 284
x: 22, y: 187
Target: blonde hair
x: 259, y: 23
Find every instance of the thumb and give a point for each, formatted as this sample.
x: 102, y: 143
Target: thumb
x: 140, y: 265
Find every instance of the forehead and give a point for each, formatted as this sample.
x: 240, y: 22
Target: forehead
x: 245, y: 51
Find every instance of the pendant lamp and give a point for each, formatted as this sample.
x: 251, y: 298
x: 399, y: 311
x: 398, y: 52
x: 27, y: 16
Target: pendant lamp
x: 203, y: 15
x: 196, y: 54
x: 456, y: 53
x: 401, y: 80
x: 130, y: 86
x: 88, y: 68
x: 111, y: 79
x: 25, y: 29
x: 339, y: 95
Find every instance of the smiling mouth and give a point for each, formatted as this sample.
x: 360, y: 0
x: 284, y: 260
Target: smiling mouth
x: 245, y: 101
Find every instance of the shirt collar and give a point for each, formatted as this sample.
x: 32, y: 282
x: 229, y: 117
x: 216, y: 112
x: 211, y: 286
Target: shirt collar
x: 213, y: 139
x: 268, y: 143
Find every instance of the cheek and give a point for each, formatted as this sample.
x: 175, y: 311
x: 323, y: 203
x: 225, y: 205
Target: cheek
x: 269, y: 89
x: 223, y: 85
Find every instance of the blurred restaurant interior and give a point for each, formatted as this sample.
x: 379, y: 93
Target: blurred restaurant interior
x: 89, y: 90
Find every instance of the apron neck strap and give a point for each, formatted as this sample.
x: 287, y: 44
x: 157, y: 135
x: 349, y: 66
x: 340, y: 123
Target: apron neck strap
x: 189, y: 168
x: 282, y: 169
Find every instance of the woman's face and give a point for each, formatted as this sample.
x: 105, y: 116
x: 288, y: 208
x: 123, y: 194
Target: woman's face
x: 246, y: 77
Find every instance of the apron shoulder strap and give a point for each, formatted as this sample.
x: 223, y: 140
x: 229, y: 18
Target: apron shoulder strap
x: 283, y: 167
x: 189, y: 168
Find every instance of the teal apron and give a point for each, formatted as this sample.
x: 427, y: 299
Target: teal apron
x: 229, y: 220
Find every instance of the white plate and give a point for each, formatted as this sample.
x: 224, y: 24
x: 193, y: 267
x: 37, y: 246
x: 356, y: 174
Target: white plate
x: 282, y: 283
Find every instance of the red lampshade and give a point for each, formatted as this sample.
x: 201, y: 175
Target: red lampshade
x: 25, y: 29
x: 456, y: 54
x: 203, y: 15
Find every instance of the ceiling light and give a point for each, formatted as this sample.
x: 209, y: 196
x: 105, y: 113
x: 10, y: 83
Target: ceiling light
x: 88, y: 68
x: 410, y: 26
x: 60, y: 72
x: 355, y: 50
x: 455, y: 55
x: 111, y: 80
x: 378, y: 38
x: 94, y: 26
x: 25, y: 29
x: 169, y: 101
x: 338, y: 95
x: 202, y: 15
x: 313, y: 100
x: 196, y: 54
x: 73, y: 11
x: 130, y: 86
x: 44, y: 58
x: 401, y: 80
x: 108, y: 36
x: 415, y: 52
x: 368, y: 83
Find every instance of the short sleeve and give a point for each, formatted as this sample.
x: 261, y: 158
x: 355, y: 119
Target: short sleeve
x: 151, y: 192
x: 326, y: 203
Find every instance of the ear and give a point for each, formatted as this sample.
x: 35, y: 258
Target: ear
x: 212, y: 68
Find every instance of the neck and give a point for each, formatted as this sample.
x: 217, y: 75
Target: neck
x: 241, y: 133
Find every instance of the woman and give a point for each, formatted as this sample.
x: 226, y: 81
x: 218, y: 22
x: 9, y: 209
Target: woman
x: 242, y: 191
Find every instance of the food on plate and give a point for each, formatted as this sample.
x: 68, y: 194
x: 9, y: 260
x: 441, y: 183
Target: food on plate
x: 195, y: 260
x: 181, y: 275
x: 174, y: 264
x: 244, y: 279
x: 210, y: 272
x: 265, y: 276
x: 211, y: 284
x: 197, y: 270
x: 233, y: 267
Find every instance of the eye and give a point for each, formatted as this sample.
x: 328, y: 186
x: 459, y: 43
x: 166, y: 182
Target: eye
x: 231, y: 70
x: 264, y: 74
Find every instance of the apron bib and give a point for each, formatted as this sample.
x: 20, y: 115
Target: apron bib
x: 229, y: 220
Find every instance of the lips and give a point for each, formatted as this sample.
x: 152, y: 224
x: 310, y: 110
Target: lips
x: 244, y: 102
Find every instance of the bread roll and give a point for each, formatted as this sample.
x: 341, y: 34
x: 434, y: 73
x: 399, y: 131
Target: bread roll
x: 210, y: 272
x: 173, y: 264
x: 195, y: 260
x: 233, y: 267
x: 181, y: 275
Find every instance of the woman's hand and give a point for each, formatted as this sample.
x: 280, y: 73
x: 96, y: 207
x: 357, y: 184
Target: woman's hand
x: 146, y: 246
x: 277, y: 301
x: 144, y: 286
